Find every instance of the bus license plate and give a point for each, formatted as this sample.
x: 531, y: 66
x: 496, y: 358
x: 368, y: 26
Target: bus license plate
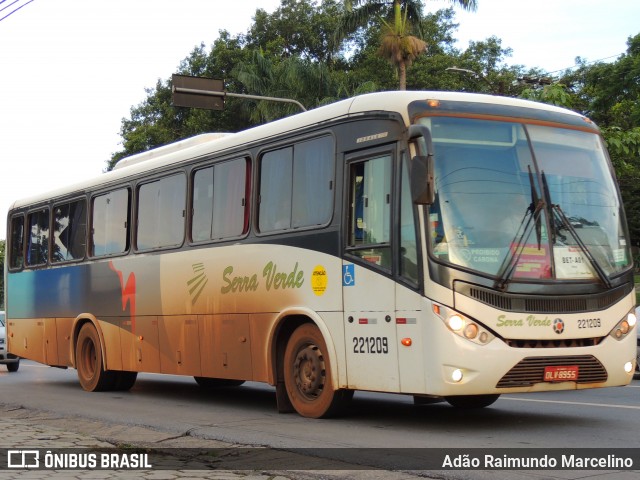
x: 561, y: 373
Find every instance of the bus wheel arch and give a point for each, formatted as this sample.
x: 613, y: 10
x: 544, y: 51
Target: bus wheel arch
x: 282, y: 333
x: 305, y: 370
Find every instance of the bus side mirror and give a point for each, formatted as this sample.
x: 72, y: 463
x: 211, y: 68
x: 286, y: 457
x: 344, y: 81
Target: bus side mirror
x: 422, y: 180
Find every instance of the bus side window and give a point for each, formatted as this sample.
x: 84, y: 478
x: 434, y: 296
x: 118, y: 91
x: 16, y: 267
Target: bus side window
x: 276, y: 174
x: 38, y: 246
x: 161, y: 212
x: 219, y: 201
x: 110, y: 223
x: 370, y: 210
x: 408, y: 241
x: 296, y: 186
x: 69, y: 231
x: 16, y: 256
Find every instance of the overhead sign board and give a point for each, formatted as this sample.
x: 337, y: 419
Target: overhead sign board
x: 198, y: 92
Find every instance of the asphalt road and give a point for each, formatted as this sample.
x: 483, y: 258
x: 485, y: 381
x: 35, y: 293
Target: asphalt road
x: 247, y: 415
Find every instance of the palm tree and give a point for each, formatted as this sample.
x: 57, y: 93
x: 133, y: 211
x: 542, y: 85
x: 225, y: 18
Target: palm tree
x: 398, y: 46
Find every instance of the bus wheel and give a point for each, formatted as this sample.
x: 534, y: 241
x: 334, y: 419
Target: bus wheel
x: 307, y: 375
x: 472, y: 401
x: 13, y: 367
x: 210, y: 383
x: 92, y: 376
x: 123, y: 381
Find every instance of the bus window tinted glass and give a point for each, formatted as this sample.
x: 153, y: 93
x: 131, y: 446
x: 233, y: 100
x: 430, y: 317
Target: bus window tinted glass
x: 16, y: 257
x: 275, y: 190
x: 161, y: 208
x: 312, y: 182
x: 370, y: 215
x: 110, y: 223
x: 408, y: 241
x: 202, y: 205
x: 38, y: 247
x: 296, y: 186
x: 229, y: 189
x: 219, y: 201
x: 69, y: 231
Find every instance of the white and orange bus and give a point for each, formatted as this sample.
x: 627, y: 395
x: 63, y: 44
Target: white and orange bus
x: 441, y: 245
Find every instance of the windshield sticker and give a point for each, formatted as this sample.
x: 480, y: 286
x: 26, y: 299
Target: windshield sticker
x: 620, y: 256
x: 534, y: 262
x: 481, y: 255
x: 571, y: 263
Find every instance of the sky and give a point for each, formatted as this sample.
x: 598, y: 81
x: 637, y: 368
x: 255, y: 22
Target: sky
x: 70, y: 70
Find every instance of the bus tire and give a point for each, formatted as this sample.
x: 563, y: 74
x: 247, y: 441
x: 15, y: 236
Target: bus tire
x: 124, y: 381
x: 472, y: 401
x: 91, y: 373
x: 307, y: 375
x: 14, y: 366
x: 212, y: 383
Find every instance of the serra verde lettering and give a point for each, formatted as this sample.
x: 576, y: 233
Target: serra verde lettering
x: 530, y: 321
x: 273, y: 279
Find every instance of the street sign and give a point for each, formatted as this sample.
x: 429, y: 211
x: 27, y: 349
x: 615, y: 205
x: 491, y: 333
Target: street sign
x: 198, y: 92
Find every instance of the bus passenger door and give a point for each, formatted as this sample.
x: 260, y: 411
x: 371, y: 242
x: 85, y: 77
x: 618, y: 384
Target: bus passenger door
x: 367, y: 282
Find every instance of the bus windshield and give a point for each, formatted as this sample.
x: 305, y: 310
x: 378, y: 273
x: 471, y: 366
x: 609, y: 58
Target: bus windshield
x: 524, y: 201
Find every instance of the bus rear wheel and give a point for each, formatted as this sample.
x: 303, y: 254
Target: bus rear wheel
x: 472, y: 401
x: 91, y: 373
x: 13, y: 367
x: 307, y: 375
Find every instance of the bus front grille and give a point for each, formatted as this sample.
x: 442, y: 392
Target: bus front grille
x: 530, y: 370
x: 564, y: 343
x: 543, y: 303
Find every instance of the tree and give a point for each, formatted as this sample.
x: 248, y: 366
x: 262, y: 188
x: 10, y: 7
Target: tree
x: 554, y: 94
x: 397, y: 18
x: 292, y: 77
x: 398, y: 46
x: 302, y: 28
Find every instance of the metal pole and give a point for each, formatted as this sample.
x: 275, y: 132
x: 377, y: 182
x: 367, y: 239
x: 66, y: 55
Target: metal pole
x: 237, y: 95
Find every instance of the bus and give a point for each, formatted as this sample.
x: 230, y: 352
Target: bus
x: 447, y: 246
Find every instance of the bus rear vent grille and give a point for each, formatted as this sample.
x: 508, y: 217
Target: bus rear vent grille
x: 543, y: 303
x: 531, y: 370
x: 565, y: 343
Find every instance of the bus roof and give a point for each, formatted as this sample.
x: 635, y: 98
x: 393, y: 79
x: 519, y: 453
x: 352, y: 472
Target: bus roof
x: 205, y: 144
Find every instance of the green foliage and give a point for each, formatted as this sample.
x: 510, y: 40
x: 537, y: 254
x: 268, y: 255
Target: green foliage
x: 297, y: 29
x: 555, y: 94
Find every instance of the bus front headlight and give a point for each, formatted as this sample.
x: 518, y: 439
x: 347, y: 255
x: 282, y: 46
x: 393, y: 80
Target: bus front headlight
x: 463, y: 326
x: 624, y: 326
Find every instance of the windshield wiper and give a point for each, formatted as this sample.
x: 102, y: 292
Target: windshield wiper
x: 533, y: 212
x: 556, y: 210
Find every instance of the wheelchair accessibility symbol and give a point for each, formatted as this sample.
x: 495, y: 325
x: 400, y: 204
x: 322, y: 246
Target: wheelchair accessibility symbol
x: 348, y: 275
